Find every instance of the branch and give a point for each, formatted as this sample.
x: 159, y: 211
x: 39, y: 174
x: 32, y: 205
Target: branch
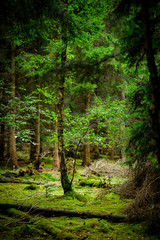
x: 74, y: 165
x: 83, y: 64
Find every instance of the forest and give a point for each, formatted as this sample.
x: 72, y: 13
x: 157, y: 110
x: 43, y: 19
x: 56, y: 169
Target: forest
x: 80, y: 119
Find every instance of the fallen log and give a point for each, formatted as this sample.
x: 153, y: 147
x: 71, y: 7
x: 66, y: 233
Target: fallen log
x: 4, y: 179
x: 50, y: 212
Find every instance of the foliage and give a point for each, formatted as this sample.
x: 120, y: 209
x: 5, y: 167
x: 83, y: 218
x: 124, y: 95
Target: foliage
x: 140, y: 146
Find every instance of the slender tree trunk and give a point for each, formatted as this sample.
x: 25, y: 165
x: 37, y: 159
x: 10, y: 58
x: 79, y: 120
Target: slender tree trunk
x: 12, y: 139
x: 86, y: 157
x: 66, y: 184
x: 2, y: 142
x: 63, y: 168
x: 122, y: 97
x: 32, y: 143
x: 155, y: 104
x: 37, y: 136
x: 2, y: 130
x: 111, y: 154
x: 56, y: 161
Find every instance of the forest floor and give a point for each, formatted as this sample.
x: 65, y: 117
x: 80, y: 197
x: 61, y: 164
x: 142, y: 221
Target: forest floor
x: 96, y: 190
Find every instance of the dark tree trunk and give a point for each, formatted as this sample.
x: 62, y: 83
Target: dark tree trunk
x: 86, y: 156
x: 66, y: 184
x: 2, y: 142
x: 12, y: 139
x: 37, y: 136
x: 32, y: 143
x: 155, y: 104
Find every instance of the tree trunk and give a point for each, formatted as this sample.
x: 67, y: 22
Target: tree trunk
x: 122, y: 98
x: 2, y: 128
x: 111, y: 153
x: 56, y: 161
x: 155, y: 102
x: 2, y: 143
x: 66, y: 184
x: 32, y: 143
x: 86, y: 156
x: 12, y: 139
x: 37, y: 136
x: 63, y: 168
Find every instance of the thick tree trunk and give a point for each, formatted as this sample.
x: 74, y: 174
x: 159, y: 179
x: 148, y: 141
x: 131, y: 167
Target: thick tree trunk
x: 86, y: 156
x: 66, y: 184
x: 12, y: 139
x: 155, y: 104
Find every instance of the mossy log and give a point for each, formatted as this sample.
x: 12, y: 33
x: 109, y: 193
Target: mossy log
x: 50, y: 212
x: 4, y: 179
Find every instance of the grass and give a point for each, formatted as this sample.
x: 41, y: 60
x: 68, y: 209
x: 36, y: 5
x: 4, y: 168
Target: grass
x: 92, y: 197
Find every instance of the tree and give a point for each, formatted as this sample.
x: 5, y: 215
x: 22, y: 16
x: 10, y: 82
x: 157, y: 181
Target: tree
x: 154, y: 79
x: 142, y: 32
x: 66, y: 184
x: 12, y: 136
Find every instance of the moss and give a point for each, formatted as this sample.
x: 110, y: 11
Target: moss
x: 84, y: 198
x: 69, y: 228
x: 18, y: 214
x: 69, y: 194
x: 31, y: 187
x: 53, y: 230
x: 80, y: 197
x: 99, y: 183
x: 47, y: 177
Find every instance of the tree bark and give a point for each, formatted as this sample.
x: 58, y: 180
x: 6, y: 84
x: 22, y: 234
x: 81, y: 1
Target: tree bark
x: 50, y: 212
x: 2, y: 142
x: 86, y: 156
x: 66, y: 184
x: 32, y: 143
x: 111, y: 153
x: 12, y: 139
x: 56, y: 161
x: 155, y: 102
x: 37, y: 136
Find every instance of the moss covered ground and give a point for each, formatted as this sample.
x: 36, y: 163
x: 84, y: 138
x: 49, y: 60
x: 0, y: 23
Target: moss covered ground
x: 91, y: 193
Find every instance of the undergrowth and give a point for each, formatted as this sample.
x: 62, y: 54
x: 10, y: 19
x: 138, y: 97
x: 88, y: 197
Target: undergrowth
x: 144, y: 188
x: 91, y: 193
